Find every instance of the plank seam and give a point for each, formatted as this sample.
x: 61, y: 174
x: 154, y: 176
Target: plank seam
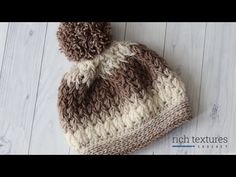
x: 39, y: 78
x: 164, y: 45
x: 203, y: 57
x: 125, y: 32
x: 4, y: 50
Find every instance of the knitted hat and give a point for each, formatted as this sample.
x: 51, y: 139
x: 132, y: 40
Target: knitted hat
x: 119, y: 96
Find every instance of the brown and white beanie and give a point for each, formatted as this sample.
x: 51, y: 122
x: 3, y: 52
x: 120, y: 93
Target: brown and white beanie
x: 119, y: 96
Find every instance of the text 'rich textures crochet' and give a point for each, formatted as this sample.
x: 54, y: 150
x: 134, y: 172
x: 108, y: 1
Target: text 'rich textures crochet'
x: 119, y: 96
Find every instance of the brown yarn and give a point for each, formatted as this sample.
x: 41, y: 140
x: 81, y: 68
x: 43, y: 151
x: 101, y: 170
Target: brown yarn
x: 145, y: 135
x: 119, y: 96
x: 79, y: 40
x: 150, y: 59
x: 77, y: 105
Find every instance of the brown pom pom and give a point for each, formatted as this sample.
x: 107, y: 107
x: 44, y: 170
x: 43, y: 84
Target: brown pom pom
x: 79, y: 40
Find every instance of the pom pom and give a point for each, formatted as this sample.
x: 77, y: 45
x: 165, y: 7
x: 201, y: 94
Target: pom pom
x: 85, y: 40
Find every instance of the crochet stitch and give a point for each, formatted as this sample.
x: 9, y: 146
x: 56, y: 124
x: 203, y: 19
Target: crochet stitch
x: 119, y: 96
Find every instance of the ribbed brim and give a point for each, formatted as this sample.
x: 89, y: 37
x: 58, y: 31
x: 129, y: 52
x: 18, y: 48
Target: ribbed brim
x: 143, y: 134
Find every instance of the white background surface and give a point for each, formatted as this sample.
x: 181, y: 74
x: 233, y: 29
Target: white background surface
x: 204, y: 54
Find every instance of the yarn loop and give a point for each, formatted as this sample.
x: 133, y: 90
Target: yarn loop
x: 83, y: 40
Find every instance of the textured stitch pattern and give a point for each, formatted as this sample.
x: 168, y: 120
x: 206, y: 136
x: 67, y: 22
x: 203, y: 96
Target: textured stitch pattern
x: 118, y: 100
x: 143, y: 135
x: 83, y: 39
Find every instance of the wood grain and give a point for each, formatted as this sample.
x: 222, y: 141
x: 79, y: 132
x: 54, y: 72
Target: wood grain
x: 118, y: 30
x: 184, y: 51
x: 18, y: 85
x: 3, y: 35
x: 47, y: 135
x: 150, y: 34
x: 218, y: 94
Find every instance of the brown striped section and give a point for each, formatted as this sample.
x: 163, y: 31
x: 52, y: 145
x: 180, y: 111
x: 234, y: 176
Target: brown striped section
x: 154, y: 63
x: 77, y: 105
x: 119, y: 96
x: 142, y: 134
x: 133, y: 76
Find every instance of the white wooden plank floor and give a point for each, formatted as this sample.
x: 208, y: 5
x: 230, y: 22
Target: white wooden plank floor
x: 31, y: 67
